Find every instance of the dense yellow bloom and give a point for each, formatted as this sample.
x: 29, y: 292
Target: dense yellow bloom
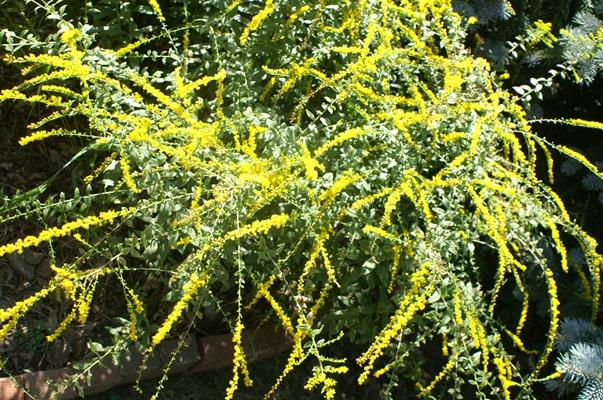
x: 542, y: 33
x: 190, y: 289
x: 294, y: 16
x: 62, y: 326
x: 279, y: 312
x: 319, y: 376
x: 258, y: 227
x: 365, y: 201
x: 348, y: 178
x: 310, y: 164
x: 342, y: 137
x: 559, y: 246
x: 412, y: 302
x: 103, y: 218
x: 585, y: 123
x: 70, y: 37
x: 256, y: 21
x: 558, y: 202
x: 103, y: 166
x: 441, y: 375
x: 458, y: 309
x: 549, y: 161
x: 554, y: 324
x: 157, y: 10
x: 41, y: 135
x: 239, y: 362
x: 394, y: 271
x: 379, y: 232
x: 581, y: 159
x: 127, y: 175
x: 519, y: 343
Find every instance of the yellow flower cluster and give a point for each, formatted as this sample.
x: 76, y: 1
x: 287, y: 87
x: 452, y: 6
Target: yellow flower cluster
x: 379, y: 232
x: 542, y: 33
x: 278, y: 310
x: 441, y: 375
x: 319, y: 376
x: 554, y: 324
x: 581, y: 159
x: 524, y: 304
x: 341, y: 138
x: 311, y: 164
x: 412, y: 302
x: 296, y: 355
x: 62, y: 326
x: 157, y: 10
x: 505, y: 375
x: 256, y: 21
x: 317, y: 250
x: 558, y: 202
x: 127, y: 175
x: 250, y: 146
x: 478, y: 334
x: 519, y: 343
x: 239, y: 363
x: 365, y: 201
x: 127, y: 49
x: 41, y: 135
x: 105, y: 217
x: 70, y: 37
x: 395, y: 264
x: 458, y: 307
x: 83, y: 305
x: 348, y: 178
x: 11, y: 316
x: 258, y: 227
x: 190, y: 289
x: 585, y: 123
x: 559, y: 246
x: 549, y: 161
x: 294, y: 16
x: 103, y: 166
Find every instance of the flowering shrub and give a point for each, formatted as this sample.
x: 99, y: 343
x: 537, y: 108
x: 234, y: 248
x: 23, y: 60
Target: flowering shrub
x: 349, y: 166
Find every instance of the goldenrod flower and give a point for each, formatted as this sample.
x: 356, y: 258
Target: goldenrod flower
x: 239, y: 362
x: 190, y: 289
x: 559, y: 246
x: 155, y: 6
x: 256, y: 21
x: 103, y: 218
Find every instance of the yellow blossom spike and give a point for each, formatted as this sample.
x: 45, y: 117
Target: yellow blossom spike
x: 256, y: 21
x: 189, y: 289
x: 157, y: 10
x: 103, y: 218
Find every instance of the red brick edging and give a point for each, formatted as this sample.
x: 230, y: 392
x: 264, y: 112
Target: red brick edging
x: 196, y: 355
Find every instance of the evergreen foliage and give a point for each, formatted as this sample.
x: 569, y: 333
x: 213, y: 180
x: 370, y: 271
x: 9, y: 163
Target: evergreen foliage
x: 514, y: 30
x: 580, y: 362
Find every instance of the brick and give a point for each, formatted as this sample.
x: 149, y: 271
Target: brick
x: 9, y: 390
x: 187, y: 356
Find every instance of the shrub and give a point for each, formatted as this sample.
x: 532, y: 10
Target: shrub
x: 348, y: 169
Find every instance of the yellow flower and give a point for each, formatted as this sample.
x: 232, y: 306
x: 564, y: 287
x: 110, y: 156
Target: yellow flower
x: 103, y: 218
x: 441, y: 375
x: 348, y: 178
x: 559, y: 246
x: 256, y: 21
x: 70, y: 37
x: 379, y: 232
x: 62, y: 326
x: 239, y: 362
x: 155, y: 6
x: 190, y: 289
